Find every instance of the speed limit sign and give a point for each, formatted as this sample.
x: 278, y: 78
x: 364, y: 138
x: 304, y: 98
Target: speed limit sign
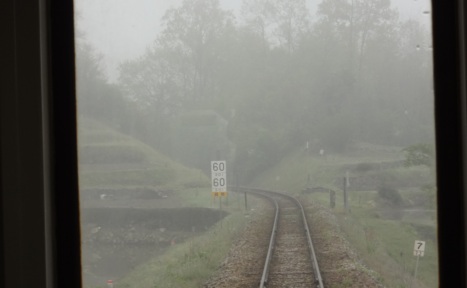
x: 219, y: 178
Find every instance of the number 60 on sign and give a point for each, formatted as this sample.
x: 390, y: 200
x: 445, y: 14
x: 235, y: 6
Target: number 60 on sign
x: 219, y: 178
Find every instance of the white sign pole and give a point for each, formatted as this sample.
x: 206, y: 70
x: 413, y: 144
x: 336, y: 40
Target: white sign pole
x: 416, y: 267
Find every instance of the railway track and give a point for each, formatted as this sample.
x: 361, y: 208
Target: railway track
x: 291, y: 259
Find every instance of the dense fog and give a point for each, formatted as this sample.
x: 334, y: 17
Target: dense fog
x: 252, y: 86
x: 269, y: 81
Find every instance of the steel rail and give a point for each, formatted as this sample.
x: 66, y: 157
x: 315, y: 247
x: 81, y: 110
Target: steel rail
x: 319, y: 279
x: 262, y: 193
x: 272, y: 239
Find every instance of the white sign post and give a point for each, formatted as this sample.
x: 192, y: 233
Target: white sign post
x: 419, y: 251
x: 219, y: 178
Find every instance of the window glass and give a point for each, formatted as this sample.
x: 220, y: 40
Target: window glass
x: 330, y: 101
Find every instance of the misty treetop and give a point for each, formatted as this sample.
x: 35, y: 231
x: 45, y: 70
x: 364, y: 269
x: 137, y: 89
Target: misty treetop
x: 280, y: 76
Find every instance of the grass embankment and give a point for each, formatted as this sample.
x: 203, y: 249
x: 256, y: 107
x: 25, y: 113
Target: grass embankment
x: 381, y: 231
x: 111, y: 160
x: 191, y: 263
x: 117, y: 164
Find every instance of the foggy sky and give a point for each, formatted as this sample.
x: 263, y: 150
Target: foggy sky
x: 122, y: 30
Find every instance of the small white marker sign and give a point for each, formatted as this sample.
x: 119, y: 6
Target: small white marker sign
x: 419, y: 248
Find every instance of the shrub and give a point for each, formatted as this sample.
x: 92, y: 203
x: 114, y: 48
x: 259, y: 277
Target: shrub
x: 420, y: 154
x: 390, y: 194
x: 365, y: 167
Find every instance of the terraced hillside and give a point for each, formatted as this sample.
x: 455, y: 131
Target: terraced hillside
x: 135, y: 203
x: 116, y: 167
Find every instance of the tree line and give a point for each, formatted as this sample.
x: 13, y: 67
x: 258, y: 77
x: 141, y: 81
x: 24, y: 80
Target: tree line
x: 278, y: 76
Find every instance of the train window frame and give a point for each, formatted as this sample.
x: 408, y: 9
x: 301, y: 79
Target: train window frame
x: 39, y: 224
x: 48, y: 27
x: 449, y: 78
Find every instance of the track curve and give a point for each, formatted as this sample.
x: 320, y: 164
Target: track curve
x: 291, y: 259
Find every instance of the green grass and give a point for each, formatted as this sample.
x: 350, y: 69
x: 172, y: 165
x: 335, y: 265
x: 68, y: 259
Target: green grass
x: 291, y: 173
x: 113, y: 160
x: 147, y: 177
x: 386, y: 246
x: 383, y: 239
x: 188, y: 264
x: 383, y: 243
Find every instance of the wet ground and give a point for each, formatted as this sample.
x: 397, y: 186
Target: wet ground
x: 115, y: 239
